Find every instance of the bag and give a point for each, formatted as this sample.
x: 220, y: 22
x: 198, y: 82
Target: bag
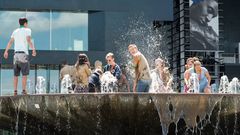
x: 20, y: 58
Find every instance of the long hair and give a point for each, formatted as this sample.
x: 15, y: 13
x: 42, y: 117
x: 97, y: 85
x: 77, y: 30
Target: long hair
x: 82, y: 59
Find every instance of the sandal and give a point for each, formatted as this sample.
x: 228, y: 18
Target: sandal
x: 15, y: 93
x: 24, y: 92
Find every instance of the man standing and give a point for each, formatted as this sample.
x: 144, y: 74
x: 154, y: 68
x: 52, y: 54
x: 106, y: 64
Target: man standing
x: 21, y: 38
x: 142, y: 79
x: 112, y: 66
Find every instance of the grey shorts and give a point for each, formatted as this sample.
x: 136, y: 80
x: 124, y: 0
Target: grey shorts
x: 21, y: 64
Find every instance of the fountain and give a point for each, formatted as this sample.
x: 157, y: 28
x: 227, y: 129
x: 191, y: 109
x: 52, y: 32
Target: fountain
x: 150, y: 41
x: 66, y: 84
x: 121, y: 113
x: 41, y: 85
x: 30, y: 86
x: 114, y: 113
x: 214, y: 88
x: 223, y: 87
x: 53, y: 88
x: 108, y: 83
x: 193, y: 84
x: 234, y: 86
x: 226, y: 87
x: 157, y: 85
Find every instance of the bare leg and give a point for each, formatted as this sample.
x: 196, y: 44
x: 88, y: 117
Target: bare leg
x: 207, y: 90
x: 15, y: 84
x: 24, y: 82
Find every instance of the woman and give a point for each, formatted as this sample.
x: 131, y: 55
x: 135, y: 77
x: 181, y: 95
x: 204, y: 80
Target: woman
x: 161, y: 78
x: 189, y: 65
x: 203, y: 77
x: 82, y: 73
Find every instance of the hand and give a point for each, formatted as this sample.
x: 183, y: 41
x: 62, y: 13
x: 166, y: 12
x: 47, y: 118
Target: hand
x: 88, y: 63
x: 34, y: 52
x: 5, y: 54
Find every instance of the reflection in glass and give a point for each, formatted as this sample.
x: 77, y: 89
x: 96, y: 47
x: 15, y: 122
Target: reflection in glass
x: 42, y: 71
x: 31, y: 82
x: 50, y: 30
x: 7, y: 82
x: 69, y: 31
x: 54, y: 79
x: 39, y: 22
x: 9, y: 22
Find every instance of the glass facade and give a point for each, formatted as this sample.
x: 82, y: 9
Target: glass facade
x: 7, y: 80
x: 51, y: 31
x: 54, y: 81
x: 49, y: 72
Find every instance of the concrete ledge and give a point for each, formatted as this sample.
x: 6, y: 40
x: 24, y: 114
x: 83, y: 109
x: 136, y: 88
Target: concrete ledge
x: 121, y: 113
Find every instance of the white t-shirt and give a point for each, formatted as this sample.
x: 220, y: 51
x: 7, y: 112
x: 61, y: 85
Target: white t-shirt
x: 20, y: 39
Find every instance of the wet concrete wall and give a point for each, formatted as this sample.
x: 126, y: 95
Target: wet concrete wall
x: 118, y: 114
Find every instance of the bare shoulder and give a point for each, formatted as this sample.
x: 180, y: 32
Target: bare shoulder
x: 136, y: 57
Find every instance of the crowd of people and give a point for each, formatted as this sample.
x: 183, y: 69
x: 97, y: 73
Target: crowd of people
x: 85, y: 79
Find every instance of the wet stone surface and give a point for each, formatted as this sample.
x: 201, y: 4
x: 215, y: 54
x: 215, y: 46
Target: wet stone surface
x: 121, y: 114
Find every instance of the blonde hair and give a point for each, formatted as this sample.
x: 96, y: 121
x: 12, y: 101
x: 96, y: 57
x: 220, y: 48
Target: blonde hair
x: 190, y: 59
x: 132, y: 46
x: 197, y: 63
x: 195, y: 59
x: 109, y: 55
x: 158, y: 60
x: 99, y: 70
x: 97, y: 64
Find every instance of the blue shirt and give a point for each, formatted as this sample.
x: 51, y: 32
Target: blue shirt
x: 203, y: 79
x: 116, y: 71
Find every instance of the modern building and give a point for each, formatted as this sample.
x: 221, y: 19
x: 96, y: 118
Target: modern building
x: 62, y: 29
x: 224, y: 58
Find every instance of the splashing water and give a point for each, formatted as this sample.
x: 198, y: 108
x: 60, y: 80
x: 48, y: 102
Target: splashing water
x: 30, y: 87
x: 223, y: 87
x: 194, y: 84
x: 108, y: 83
x: 53, y: 88
x: 150, y: 41
x: 41, y: 85
x: 229, y: 87
x: 234, y: 86
x: 157, y: 85
x: 66, y: 84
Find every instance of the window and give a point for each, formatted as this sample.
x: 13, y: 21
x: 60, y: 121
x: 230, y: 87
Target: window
x: 9, y: 22
x: 50, y: 30
x: 69, y: 31
x: 7, y: 82
x: 39, y: 22
x: 54, y: 79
